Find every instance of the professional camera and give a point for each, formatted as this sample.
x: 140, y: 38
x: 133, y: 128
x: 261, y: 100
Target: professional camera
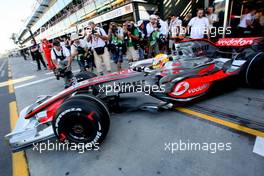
x: 158, y: 25
x: 59, y: 73
x: 94, y: 31
x: 130, y: 27
x: 114, y: 30
x: 62, y: 73
x: 162, y: 39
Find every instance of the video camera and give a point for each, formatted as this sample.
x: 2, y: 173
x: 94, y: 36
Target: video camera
x: 61, y: 73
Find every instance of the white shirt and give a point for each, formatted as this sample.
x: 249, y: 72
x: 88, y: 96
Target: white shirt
x: 244, y: 19
x: 163, y: 30
x: 96, y: 42
x: 150, y: 28
x: 164, y: 27
x: 64, y: 51
x: 175, y: 27
x: 198, y: 27
x: 62, y: 43
x: 212, y: 19
x: 82, y: 44
x: 175, y: 23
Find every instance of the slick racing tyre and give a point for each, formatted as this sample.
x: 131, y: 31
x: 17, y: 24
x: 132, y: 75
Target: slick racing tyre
x: 252, y: 72
x: 84, y: 76
x: 82, y: 119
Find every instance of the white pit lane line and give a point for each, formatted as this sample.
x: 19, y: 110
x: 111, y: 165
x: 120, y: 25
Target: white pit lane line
x: 259, y: 146
x: 3, y: 64
x: 34, y: 82
x: 39, y: 81
x: 50, y: 73
x: 2, y: 73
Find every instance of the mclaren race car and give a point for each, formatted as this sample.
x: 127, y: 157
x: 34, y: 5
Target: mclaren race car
x: 81, y: 113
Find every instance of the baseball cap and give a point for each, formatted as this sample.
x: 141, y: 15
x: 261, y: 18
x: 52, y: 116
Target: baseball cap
x: 153, y: 16
x: 74, y: 36
x: 140, y: 22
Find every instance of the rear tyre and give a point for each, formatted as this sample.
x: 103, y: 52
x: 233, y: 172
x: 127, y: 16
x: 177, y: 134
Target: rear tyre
x: 252, y: 73
x: 82, y: 119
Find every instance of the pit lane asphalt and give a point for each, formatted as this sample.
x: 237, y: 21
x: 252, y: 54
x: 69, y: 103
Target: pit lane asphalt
x: 5, y: 99
x: 136, y: 141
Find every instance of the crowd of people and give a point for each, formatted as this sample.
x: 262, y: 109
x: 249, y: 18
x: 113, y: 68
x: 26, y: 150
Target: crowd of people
x: 95, y: 47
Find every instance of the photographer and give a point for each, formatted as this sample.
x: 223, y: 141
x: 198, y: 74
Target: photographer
x: 79, y: 51
x: 116, y: 44
x: 131, y: 39
x: 163, y: 36
x: 61, y: 58
x: 96, y: 38
x: 153, y: 33
x: 143, y: 40
x: 162, y: 25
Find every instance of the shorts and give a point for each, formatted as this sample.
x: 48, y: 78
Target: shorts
x: 132, y: 54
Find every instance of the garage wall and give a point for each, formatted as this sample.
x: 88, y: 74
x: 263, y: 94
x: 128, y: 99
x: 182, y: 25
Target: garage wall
x: 181, y: 7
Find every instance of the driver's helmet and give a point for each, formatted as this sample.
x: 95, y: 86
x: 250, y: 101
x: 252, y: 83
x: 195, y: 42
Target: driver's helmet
x: 159, y: 61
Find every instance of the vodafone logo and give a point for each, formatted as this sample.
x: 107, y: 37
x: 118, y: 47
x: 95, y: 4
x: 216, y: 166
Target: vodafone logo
x: 198, y: 89
x: 181, y: 88
x: 235, y: 41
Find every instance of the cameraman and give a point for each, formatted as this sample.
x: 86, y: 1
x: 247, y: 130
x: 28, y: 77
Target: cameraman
x: 61, y: 58
x: 116, y: 44
x: 163, y: 36
x: 131, y: 39
x: 78, y: 51
x: 96, y: 38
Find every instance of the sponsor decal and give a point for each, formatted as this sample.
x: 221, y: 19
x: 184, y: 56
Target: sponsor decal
x: 198, y: 89
x: 181, y: 88
x: 97, y: 137
x: 189, y: 89
x: 200, y: 49
x: 235, y: 41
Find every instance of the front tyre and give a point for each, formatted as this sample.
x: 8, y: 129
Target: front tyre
x: 82, y: 120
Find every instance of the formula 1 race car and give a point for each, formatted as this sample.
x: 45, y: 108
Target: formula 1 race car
x: 81, y: 113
